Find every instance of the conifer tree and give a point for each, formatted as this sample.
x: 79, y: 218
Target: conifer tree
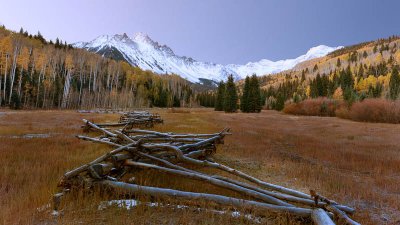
x: 254, y: 104
x: 231, y: 97
x: 394, y: 84
x: 303, y: 76
x: 244, y: 101
x: 315, y: 68
x: 365, y: 55
x: 319, y: 85
x: 338, y: 63
x: 15, y: 101
x: 219, y: 102
x: 57, y: 44
x: 346, y: 79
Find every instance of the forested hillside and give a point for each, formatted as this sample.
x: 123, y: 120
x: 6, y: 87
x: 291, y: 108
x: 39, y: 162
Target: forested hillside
x: 352, y: 73
x: 35, y: 73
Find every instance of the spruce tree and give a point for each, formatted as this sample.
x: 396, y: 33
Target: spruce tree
x: 394, y: 84
x: 315, y: 68
x: 244, y: 101
x: 219, y: 102
x: 338, y: 63
x: 320, y: 87
x: 303, y: 76
x: 15, y: 101
x: 254, y: 104
x: 365, y: 55
x: 231, y: 97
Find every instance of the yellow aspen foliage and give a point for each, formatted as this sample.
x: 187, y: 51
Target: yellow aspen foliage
x: 397, y: 57
x: 69, y: 61
x: 338, y: 94
x: 308, y: 90
x: 384, y: 79
x: 364, y: 84
x: 378, y: 58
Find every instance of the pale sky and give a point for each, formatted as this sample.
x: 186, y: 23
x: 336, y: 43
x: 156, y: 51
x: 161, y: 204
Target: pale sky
x: 220, y: 31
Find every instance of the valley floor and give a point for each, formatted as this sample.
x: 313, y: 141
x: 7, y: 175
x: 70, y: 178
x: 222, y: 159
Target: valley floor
x: 353, y: 163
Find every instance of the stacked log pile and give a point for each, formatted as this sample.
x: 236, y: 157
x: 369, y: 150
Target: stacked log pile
x: 140, y: 119
x: 129, y: 120
x: 174, y: 154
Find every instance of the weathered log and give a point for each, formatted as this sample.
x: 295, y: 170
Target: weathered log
x: 109, y: 133
x: 341, y: 215
x: 317, y: 197
x: 120, y: 157
x: 165, y: 162
x: 281, y: 196
x: 320, y: 217
x: 98, y: 140
x: 111, y: 124
x: 247, y: 177
x: 216, y: 182
x: 82, y: 168
x: 100, y: 169
x: 173, y: 135
x: 220, y: 199
x: 57, y: 200
x: 196, y: 154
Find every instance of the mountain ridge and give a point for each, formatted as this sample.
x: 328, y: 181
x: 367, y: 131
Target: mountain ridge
x: 144, y: 52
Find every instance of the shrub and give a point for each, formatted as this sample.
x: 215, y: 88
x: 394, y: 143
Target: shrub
x: 342, y: 112
x: 375, y: 110
x: 313, y: 107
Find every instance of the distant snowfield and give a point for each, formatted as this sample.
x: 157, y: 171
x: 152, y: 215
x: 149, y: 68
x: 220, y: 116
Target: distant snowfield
x: 147, y: 54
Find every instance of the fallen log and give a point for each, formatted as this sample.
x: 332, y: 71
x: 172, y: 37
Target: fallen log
x: 320, y: 217
x: 220, y: 199
x: 341, y: 215
x: 216, y: 182
x: 82, y: 168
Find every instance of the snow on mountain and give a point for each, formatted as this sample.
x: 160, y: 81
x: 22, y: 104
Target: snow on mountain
x: 142, y: 51
x: 266, y: 66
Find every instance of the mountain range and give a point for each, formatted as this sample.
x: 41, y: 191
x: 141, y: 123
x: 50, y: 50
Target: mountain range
x: 142, y: 51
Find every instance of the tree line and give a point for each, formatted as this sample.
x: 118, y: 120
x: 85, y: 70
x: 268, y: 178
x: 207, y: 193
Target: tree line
x: 227, y: 98
x: 35, y: 73
x: 343, y: 84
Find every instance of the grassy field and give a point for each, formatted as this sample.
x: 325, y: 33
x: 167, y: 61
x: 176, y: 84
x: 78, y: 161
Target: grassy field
x: 354, y: 163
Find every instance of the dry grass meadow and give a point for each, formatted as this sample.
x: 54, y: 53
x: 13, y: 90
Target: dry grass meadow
x: 351, y: 162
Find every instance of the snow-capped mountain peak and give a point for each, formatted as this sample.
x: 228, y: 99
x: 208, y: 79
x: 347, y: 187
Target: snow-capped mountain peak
x: 142, y: 51
x: 142, y: 37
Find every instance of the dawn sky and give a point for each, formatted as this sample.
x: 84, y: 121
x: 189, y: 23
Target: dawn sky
x: 223, y: 31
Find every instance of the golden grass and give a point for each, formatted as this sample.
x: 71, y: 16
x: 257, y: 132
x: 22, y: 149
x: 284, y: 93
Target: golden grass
x: 354, y: 163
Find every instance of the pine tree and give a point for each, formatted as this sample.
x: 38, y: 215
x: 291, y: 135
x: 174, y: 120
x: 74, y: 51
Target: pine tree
x: 346, y: 79
x: 394, y: 84
x: 365, y: 55
x: 254, y: 104
x: 319, y: 85
x: 315, y: 68
x: 360, y: 71
x: 230, y: 100
x: 244, y: 101
x: 219, y: 102
x: 303, y: 76
x: 338, y: 63
x: 15, y: 101
x: 57, y: 44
